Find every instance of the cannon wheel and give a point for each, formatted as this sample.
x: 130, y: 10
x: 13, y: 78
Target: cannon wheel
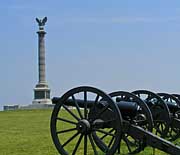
x: 72, y: 127
x: 174, y: 133
x: 132, y: 145
x: 159, y: 110
x: 177, y: 96
x: 142, y: 118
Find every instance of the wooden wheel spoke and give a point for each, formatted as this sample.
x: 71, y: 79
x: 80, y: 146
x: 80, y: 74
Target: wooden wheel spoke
x: 96, y: 100
x: 162, y: 128
x: 85, y: 105
x: 85, y: 144
x: 102, y: 111
x: 110, y: 143
x: 77, y: 144
x: 127, y: 143
x: 95, y: 103
x: 77, y: 106
x: 105, y: 132
x: 70, y: 139
x: 93, y: 145
x: 65, y: 120
x: 71, y: 112
x: 64, y: 131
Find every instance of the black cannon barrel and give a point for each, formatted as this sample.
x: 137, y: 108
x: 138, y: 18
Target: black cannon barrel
x: 126, y: 108
x: 71, y: 102
x: 55, y: 100
x: 173, y: 107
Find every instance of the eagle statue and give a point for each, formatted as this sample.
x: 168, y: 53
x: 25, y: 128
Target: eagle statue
x: 41, y: 22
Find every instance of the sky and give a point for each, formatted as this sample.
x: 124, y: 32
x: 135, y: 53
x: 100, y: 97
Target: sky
x: 112, y: 45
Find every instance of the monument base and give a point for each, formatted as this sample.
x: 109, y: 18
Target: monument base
x: 37, y: 106
x: 42, y: 101
x: 41, y: 95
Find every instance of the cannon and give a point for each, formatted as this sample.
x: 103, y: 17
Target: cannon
x: 85, y: 120
x: 173, y: 104
x: 165, y: 109
x: 137, y: 114
x: 159, y: 110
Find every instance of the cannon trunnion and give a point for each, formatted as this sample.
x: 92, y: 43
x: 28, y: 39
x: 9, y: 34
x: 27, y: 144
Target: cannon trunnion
x: 85, y: 120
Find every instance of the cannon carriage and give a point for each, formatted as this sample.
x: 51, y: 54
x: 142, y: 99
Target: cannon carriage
x: 98, y: 123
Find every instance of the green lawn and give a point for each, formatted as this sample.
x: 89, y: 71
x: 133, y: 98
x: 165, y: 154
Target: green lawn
x: 27, y: 132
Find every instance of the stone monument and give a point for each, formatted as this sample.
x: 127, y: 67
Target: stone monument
x: 41, y: 90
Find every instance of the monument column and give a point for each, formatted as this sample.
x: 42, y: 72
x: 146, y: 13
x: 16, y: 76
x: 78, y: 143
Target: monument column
x: 41, y: 55
x: 41, y: 91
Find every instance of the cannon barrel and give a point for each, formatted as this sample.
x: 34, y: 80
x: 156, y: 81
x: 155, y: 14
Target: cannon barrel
x: 172, y: 102
x: 126, y: 108
x: 173, y: 107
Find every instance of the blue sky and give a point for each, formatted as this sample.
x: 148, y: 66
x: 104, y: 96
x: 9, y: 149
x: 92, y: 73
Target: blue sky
x: 113, y: 45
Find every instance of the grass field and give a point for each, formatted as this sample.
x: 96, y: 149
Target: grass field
x: 27, y: 132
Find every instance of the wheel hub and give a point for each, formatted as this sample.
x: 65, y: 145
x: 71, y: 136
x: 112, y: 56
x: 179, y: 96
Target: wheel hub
x: 83, y: 126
